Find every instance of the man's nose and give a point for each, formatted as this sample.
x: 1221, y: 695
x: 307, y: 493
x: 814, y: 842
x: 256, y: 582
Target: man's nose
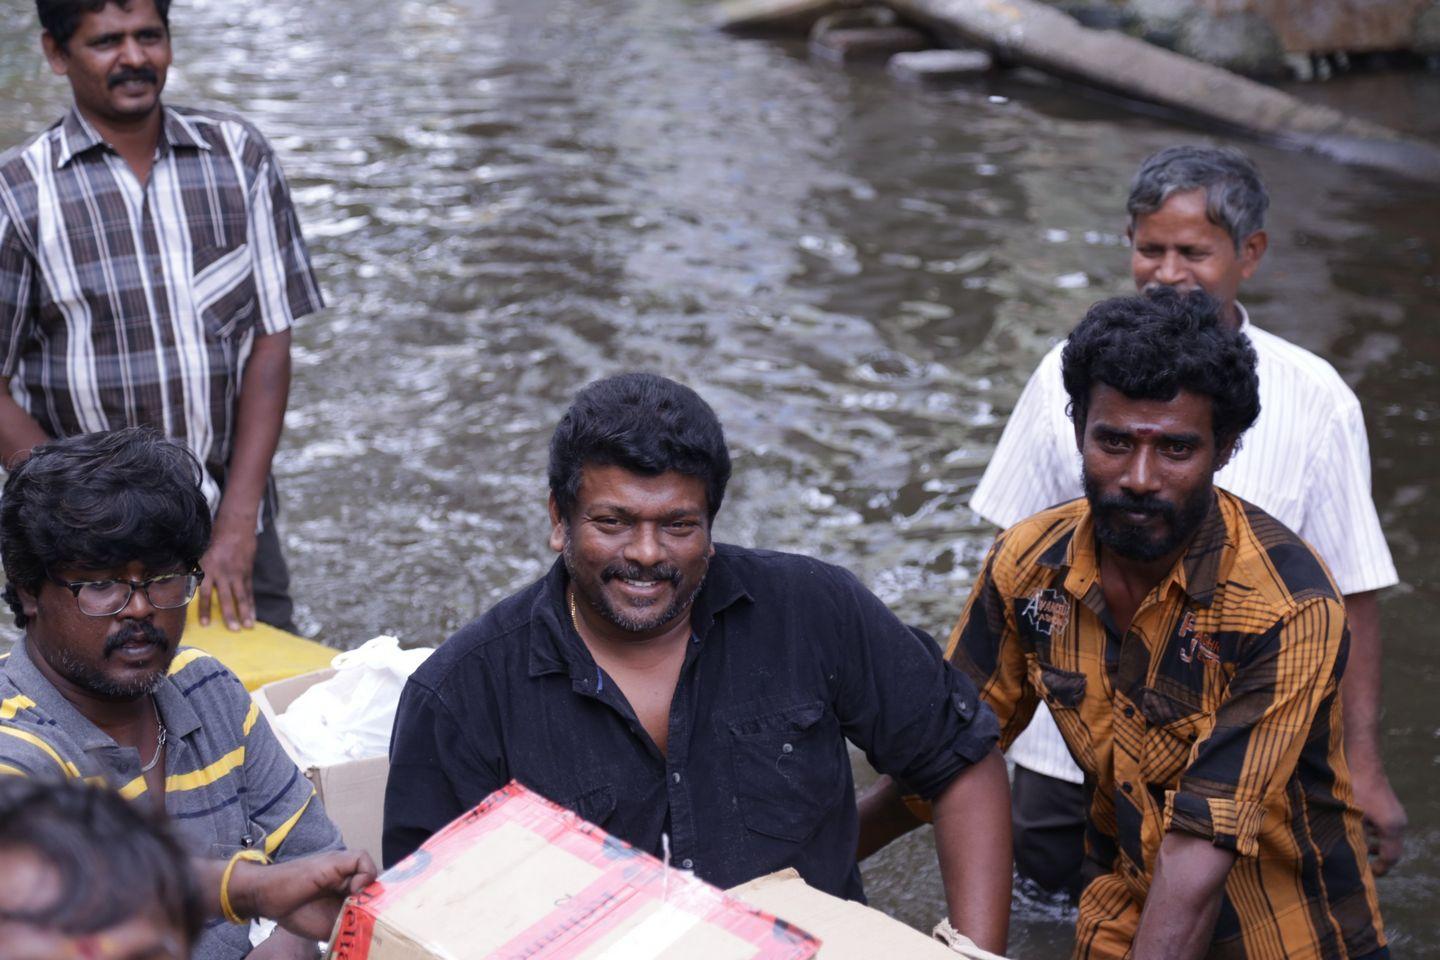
x: 644, y: 547
x: 132, y: 54
x: 138, y: 607
x: 1141, y: 479
x: 1172, y: 271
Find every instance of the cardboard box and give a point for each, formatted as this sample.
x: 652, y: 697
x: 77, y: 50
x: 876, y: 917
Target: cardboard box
x: 519, y: 876
x: 354, y: 792
x: 848, y: 930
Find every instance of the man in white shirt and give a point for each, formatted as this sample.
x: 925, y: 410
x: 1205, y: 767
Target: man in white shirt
x: 1197, y: 218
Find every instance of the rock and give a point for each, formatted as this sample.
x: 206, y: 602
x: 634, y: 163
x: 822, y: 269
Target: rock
x: 934, y: 66
x: 866, y: 33
x: 1427, y: 31
x: 1162, y: 16
x: 772, y: 16
x: 866, y: 43
x: 1241, y: 42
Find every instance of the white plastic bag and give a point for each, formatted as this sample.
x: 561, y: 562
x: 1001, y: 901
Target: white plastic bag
x: 349, y: 715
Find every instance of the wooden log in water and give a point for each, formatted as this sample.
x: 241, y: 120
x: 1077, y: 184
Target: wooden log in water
x: 1031, y: 33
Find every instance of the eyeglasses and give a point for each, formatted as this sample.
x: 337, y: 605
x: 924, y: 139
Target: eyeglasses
x: 105, y: 598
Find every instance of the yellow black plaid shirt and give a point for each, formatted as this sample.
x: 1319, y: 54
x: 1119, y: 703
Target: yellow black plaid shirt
x: 1217, y: 714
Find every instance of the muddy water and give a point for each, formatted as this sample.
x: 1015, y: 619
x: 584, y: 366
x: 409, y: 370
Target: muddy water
x: 506, y: 200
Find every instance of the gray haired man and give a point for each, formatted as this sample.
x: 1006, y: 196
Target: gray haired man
x: 1197, y: 220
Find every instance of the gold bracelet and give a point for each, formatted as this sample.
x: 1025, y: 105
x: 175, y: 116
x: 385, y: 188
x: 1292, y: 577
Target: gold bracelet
x: 254, y: 856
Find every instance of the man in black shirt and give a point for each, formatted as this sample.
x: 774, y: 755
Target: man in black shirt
x: 662, y: 685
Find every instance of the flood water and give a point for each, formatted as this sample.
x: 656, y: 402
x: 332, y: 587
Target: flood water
x: 506, y: 200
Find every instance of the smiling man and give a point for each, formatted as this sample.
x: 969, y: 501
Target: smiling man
x: 1197, y: 222
x: 101, y: 536
x: 1190, y: 648
x: 151, y: 266
x: 666, y: 686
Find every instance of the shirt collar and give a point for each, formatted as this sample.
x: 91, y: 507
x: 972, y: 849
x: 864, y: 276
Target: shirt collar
x: 556, y: 648
x: 77, y: 136
x: 176, y: 713
x: 1244, y: 316
x: 1197, y: 572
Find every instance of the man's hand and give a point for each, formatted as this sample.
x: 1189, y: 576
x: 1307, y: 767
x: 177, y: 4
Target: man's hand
x: 1385, y: 819
x: 303, y: 896
x: 229, y: 565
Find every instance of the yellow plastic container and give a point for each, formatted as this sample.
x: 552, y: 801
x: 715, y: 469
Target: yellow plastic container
x: 258, y: 655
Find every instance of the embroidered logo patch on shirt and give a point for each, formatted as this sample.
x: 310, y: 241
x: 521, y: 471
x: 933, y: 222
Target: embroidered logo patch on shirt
x: 1194, y: 644
x: 1048, y: 611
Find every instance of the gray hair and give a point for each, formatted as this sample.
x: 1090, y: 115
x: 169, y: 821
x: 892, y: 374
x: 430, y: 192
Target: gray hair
x: 1235, y: 197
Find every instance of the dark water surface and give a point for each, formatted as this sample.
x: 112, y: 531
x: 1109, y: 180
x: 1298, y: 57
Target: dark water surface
x: 507, y: 200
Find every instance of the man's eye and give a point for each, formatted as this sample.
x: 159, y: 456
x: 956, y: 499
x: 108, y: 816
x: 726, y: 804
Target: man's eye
x: 1176, y: 450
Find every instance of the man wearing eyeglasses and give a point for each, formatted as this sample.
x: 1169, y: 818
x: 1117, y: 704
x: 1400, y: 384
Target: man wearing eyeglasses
x: 101, y: 537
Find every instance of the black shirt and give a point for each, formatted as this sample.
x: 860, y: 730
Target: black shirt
x: 789, y: 657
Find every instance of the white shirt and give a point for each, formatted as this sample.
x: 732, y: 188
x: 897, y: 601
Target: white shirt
x: 1306, y: 462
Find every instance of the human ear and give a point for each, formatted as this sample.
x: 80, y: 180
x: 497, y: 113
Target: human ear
x: 29, y: 602
x: 557, y: 526
x: 55, y: 55
x: 1225, y: 452
x: 1252, y: 251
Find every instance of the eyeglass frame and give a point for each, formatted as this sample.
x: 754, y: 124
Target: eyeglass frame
x: 75, y: 586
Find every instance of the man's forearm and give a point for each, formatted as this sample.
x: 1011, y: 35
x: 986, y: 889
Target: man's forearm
x: 1178, y: 921
x: 884, y: 817
x: 1360, y: 686
x: 972, y: 839
x: 19, y: 432
x: 259, y: 418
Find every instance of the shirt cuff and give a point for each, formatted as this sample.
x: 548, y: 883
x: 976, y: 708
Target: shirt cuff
x: 1232, y: 825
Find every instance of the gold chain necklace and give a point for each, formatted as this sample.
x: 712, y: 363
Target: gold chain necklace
x: 574, y: 617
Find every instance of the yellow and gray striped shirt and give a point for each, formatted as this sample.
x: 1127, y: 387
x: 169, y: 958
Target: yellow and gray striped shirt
x: 228, y: 782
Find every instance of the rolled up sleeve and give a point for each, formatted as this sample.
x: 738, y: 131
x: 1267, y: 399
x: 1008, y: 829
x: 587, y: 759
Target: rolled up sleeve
x: 1284, y: 680
x: 917, y: 718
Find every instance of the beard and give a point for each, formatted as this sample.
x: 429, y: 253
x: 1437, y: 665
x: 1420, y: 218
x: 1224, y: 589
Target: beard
x: 91, y: 678
x: 1136, y: 543
x: 592, y: 591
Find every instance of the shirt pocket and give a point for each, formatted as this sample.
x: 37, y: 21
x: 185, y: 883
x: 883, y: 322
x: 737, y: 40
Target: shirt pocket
x: 1063, y: 692
x: 223, y: 290
x: 789, y: 768
x: 1171, y: 728
x: 595, y: 805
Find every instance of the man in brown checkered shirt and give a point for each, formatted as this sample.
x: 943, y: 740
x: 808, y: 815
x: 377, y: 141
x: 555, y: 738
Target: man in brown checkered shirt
x: 1190, y: 648
x: 151, y: 266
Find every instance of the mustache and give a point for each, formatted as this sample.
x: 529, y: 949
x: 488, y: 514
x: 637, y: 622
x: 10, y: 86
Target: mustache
x: 136, y: 630
x: 634, y: 571
x: 1125, y: 503
x: 126, y: 74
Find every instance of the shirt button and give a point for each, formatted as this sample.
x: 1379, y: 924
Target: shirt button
x: 1129, y: 712
x: 787, y: 748
x: 676, y: 778
x: 687, y: 864
x: 1126, y: 786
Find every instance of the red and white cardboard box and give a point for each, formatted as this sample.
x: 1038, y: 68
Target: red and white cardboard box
x: 519, y: 876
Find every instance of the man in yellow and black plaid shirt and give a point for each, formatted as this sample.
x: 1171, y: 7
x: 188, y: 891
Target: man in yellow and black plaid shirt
x: 1190, y: 648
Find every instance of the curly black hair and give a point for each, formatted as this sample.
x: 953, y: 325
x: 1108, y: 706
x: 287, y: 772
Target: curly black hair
x: 645, y: 423
x: 112, y: 860
x: 101, y: 500
x: 1151, y: 347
